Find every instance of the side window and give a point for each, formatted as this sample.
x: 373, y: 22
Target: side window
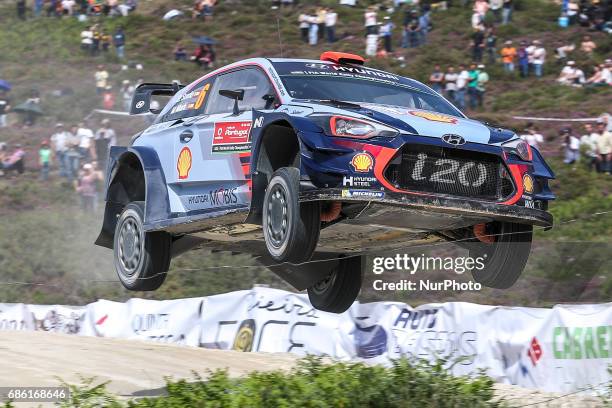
x: 191, y: 103
x: 254, y: 83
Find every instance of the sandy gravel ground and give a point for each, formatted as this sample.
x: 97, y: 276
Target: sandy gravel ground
x: 138, y: 368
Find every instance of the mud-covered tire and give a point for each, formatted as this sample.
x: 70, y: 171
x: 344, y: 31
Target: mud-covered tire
x: 141, y: 258
x: 505, y: 258
x: 338, y: 291
x: 291, y: 229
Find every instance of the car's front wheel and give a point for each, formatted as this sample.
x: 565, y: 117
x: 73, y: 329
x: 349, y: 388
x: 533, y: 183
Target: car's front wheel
x: 337, y: 292
x: 141, y: 258
x: 291, y: 229
x: 502, y: 254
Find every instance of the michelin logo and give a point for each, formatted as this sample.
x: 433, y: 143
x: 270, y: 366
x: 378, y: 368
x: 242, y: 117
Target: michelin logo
x: 362, y: 194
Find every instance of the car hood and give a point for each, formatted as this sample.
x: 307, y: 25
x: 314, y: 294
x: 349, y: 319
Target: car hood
x: 429, y: 123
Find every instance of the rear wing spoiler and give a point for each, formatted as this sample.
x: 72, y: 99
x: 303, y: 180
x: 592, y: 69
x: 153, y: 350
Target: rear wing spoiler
x: 141, y: 102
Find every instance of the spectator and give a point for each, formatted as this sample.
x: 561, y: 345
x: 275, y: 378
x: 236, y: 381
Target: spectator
x: 5, y: 107
x: 386, y: 32
x: 411, y: 31
x: 127, y: 93
x: 313, y: 30
x: 507, y: 11
x: 530, y: 51
x: 483, y: 78
x: 14, y: 162
x: 86, y: 187
x: 462, y: 81
x: 105, y: 41
x: 119, y: 42
x: 436, y: 79
x: 508, y: 54
x: 180, y: 54
x: 59, y: 144
x: 601, y: 76
x: 87, y: 40
x: 587, y: 45
x: 44, y: 160
x: 588, y: 146
x: 562, y: 50
x: 331, y: 18
x: 103, y: 140
x: 604, y: 148
x: 571, y: 75
x: 204, y: 56
x: 477, y: 44
x: 370, y: 22
x: 571, y: 145
x: 523, y: 59
x: 450, y: 83
x: 321, y: 12
x: 101, y: 77
x: 539, y: 58
x: 423, y: 26
x: 38, y: 7
x: 67, y: 7
x: 85, y: 138
x: 33, y: 102
x: 303, y: 20
x: 491, y: 44
x: 572, y: 11
x: 108, y: 98
x: 73, y: 154
x: 473, y: 86
x: 532, y: 137
x: 21, y: 9
x: 481, y: 7
x: 496, y: 9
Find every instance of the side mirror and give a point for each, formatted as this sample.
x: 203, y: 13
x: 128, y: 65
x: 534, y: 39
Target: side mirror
x: 236, y: 95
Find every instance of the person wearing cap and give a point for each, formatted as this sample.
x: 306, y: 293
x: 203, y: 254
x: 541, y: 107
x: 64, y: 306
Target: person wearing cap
x: 86, y: 187
x: 472, y: 86
x: 44, y: 159
x: 571, y: 75
x: 523, y: 59
x: 59, y: 146
x: 483, y: 78
x: 588, y: 146
x: 386, y: 32
x: 508, y: 54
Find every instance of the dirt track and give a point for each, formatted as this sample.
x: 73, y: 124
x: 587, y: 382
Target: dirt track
x: 138, y: 368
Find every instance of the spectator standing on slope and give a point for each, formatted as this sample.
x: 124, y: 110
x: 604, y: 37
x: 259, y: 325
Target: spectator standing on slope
x: 478, y: 44
x: 331, y: 19
x: 313, y: 30
x: 491, y: 44
x: 450, y: 83
x: 303, y: 20
x: 523, y: 59
x: 85, y: 138
x: 423, y: 27
x: 507, y: 11
x: 588, y: 146
x: 481, y: 85
x: 86, y: 187
x: 473, y: 86
x: 321, y: 13
x: 101, y: 77
x: 604, y: 148
x: 127, y: 93
x: 119, y: 42
x: 508, y: 54
x: 462, y: 82
x: 571, y: 144
x: 436, y: 79
x: 539, y: 58
x: 104, y: 138
x: 386, y: 32
x: 59, y: 144
x: 44, y: 160
x: 496, y: 9
x: 370, y: 22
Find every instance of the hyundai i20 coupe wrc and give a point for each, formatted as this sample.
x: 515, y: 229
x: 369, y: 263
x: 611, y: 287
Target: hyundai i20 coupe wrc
x: 312, y: 164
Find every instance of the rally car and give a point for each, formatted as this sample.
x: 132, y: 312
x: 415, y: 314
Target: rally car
x: 310, y: 165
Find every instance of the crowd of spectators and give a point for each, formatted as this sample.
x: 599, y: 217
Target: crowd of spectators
x: 318, y: 24
x: 81, y: 9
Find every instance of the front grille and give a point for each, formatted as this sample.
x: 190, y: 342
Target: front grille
x: 450, y: 171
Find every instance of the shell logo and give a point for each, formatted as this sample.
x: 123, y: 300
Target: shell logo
x: 528, y: 183
x: 362, y: 162
x: 183, y: 164
x: 436, y: 117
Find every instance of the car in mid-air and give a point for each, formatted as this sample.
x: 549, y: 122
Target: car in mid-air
x: 311, y: 165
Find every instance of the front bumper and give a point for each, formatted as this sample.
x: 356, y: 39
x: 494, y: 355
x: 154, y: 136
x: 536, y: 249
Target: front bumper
x: 470, y: 209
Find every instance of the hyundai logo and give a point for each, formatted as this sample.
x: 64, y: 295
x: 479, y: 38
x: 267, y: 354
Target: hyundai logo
x: 455, y: 140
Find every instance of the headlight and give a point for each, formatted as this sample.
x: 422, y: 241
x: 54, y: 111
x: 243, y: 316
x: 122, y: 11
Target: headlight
x: 346, y: 126
x: 519, y: 148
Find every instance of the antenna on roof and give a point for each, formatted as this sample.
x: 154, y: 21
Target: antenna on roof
x: 280, y: 41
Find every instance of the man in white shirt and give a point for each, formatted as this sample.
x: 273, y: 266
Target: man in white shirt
x: 331, y: 18
x: 539, y: 57
x: 86, y: 146
x: 532, y: 137
x: 588, y: 146
x: 572, y: 146
x: 104, y: 139
x: 59, y: 145
x: 370, y: 20
x: 571, y: 75
x: 530, y: 51
x: 462, y: 81
x: 450, y: 83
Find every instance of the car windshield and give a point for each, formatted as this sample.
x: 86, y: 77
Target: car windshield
x: 364, y: 91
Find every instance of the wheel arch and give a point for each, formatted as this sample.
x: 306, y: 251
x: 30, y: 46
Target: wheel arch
x: 276, y: 144
x: 134, y: 174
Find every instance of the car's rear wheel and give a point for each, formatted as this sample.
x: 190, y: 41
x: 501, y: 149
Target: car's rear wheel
x: 337, y: 292
x: 291, y: 229
x: 504, y: 258
x: 141, y: 258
